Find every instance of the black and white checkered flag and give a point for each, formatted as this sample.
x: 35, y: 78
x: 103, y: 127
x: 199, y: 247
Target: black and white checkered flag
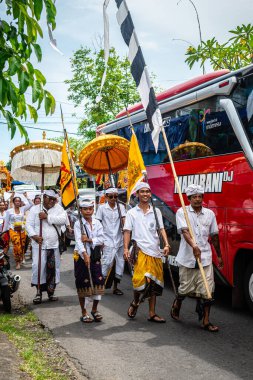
x: 139, y: 71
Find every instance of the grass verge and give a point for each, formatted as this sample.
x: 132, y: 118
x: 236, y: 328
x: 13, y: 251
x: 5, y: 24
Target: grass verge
x: 42, y: 358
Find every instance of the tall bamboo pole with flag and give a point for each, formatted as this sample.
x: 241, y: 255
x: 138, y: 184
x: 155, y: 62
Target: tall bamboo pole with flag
x: 136, y: 172
x: 147, y: 94
x: 69, y: 190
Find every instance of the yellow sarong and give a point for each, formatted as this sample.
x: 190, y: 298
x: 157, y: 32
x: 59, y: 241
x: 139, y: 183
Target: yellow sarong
x: 18, y: 240
x: 147, y: 267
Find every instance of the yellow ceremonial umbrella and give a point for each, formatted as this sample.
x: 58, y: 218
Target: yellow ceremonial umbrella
x: 106, y: 154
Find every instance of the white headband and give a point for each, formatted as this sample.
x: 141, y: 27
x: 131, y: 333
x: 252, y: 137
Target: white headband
x: 85, y: 204
x: 51, y: 193
x: 111, y: 190
x: 142, y: 185
x: 194, y: 189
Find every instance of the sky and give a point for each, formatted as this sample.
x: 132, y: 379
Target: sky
x: 163, y: 28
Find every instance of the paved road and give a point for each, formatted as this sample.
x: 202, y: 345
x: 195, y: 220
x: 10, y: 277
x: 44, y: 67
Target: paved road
x: 123, y: 349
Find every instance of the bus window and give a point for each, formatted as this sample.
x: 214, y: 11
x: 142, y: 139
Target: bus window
x: 243, y: 101
x: 198, y: 130
x: 203, y: 130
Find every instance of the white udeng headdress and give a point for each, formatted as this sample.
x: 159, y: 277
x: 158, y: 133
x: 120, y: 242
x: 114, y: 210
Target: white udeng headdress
x: 111, y: 190
x: 86, y: 203
x: 51, y: 193
x: 142, y: 185
x: 194, y: 189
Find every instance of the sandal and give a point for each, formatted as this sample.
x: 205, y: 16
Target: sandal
x: 52, y: 298
x: 210, y: 327
x: 37, y: 299
x: 134, y: 310
x: 175, y: 310
x: 86, y: 319
x: 155, y: 318
x: 97, y: 316
x: 118, y: 292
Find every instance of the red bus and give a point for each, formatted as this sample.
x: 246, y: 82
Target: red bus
x: 209, y: 124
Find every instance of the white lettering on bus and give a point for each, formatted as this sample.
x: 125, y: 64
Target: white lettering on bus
x: 214, y: 123
x: 211, y: 182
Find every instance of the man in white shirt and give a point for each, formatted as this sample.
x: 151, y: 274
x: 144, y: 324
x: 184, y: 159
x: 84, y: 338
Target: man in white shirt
x: 204, y: 226
x: 53, y: 217
x: 148, y: 268
x: 108, y: 215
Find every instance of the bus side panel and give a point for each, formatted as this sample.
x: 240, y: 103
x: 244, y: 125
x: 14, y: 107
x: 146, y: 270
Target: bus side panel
x: 239, y: 235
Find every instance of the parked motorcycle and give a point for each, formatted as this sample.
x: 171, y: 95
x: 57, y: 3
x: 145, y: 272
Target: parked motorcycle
x: 9, y: 283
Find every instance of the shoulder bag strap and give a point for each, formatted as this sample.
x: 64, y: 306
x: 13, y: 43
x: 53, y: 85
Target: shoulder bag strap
x: 56, y: 229
x: 87, y: 233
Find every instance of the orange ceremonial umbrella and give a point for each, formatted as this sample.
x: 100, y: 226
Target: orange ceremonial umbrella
x: 106, y: 154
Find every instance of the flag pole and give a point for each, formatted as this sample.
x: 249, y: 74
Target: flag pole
x: 183, y: 207
x: 158, y: 228
x: 147, y: 94
x: 184, y: 210
x: 73, y: 177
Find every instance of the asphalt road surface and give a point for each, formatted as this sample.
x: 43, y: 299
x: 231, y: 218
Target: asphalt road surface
x: 122, y: 349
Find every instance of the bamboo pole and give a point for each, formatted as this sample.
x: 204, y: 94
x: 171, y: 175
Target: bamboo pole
x: 73, y: 177
x: 114, y: 185
x: 155, y: 213
x: 41, y: 210
x: 119, y: 212
x: 184, y: 210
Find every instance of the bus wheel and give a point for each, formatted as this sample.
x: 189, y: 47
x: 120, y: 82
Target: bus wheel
x: 248, y: 286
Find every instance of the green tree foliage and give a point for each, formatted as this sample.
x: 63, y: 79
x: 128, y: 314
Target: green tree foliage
x: 235, y: 53
x: 119, y: 90
x: 18, y: 41
x: 75, y: 144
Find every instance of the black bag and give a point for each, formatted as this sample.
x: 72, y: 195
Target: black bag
x: 62, y: 244
x: 95, y: 253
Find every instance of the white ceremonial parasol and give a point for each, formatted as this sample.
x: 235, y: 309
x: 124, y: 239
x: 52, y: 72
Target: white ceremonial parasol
x: 38, y: 162
x: 31, y: 161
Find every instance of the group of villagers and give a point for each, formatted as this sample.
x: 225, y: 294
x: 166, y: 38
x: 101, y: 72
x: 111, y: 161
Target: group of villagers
x: 103, y: 242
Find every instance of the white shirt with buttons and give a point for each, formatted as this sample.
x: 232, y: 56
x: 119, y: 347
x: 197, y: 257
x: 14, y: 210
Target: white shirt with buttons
x: 143, y: 227
x: 55, y: 215
x: 109, y: 217
x: 95, y: 233
x: 203, y: 225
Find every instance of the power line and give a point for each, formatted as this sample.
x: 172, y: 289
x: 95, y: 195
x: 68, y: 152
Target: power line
x: 46, y: 130
x: 51, y: 122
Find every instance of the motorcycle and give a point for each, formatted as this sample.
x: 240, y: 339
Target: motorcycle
x: 9, y: 283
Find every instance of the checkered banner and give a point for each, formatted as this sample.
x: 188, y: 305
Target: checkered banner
x: 139, y: 71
